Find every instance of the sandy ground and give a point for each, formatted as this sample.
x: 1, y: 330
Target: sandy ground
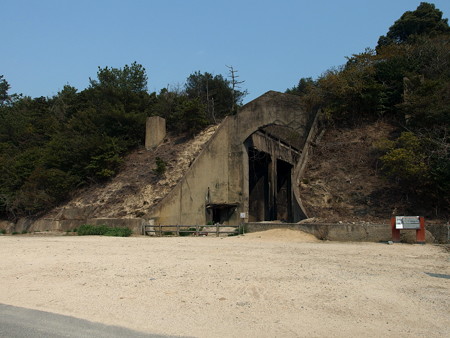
x: 278, y: 283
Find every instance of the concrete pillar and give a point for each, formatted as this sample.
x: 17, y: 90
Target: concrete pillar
x: 155, y: 131
x: 273, y: 187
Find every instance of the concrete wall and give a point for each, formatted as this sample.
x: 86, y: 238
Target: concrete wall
x: 47, y: 224
x: 186, y: 204
x: 343, y: 232
x: 7, y: 226
x: 220, y: 173
x: 155, y: 131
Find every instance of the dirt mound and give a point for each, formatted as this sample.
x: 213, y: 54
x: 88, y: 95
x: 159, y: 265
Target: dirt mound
x: 285, y: 235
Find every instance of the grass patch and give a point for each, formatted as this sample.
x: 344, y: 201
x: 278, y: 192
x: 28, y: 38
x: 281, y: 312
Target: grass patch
x: 103, y: 230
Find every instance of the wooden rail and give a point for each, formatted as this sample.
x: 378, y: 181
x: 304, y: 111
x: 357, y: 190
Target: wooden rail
x: 177, y: 229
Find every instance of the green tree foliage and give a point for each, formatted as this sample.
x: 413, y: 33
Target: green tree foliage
x: 129, y: 78
x: 426, y: 20
x: 215, y: 92
x: 4, y: 87
x: 50, y: 146
x: 304, y: 86
x: 194, y: 116
x: 204, y: 99
x: 405, y: 160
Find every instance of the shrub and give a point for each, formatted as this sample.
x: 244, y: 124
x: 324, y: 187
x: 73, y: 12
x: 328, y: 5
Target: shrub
x: 103, y: 230
x: 118, y: 232
x: 160, y: 167
x: 188, y: 232
x: 2, y: 231
x: 405, y: 160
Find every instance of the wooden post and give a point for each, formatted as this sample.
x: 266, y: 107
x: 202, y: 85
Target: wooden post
x: 420, y: 233
x: 395, y: 232
x: 160, y: 230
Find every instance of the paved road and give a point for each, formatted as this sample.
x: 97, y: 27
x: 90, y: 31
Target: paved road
x: 21, y: 322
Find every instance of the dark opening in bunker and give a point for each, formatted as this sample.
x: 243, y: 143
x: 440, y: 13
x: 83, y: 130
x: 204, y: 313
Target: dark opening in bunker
x: 272, y: 154
x: 258, y: 185
x: 219, y: 212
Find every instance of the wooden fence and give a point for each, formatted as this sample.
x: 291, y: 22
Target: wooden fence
x: 186, y: 230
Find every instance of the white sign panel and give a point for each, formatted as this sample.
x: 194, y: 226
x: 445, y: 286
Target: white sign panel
x: 407, y: 222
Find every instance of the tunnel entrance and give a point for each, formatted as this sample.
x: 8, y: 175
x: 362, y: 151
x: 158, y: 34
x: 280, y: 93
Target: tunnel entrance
x: 219, y: 212
x: 271, y: 162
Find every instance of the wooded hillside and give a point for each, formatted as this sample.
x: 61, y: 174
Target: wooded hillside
x: 51, y: 146
x: 404, y: 80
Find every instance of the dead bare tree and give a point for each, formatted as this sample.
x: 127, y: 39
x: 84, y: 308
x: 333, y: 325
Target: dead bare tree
x: 234, y: 85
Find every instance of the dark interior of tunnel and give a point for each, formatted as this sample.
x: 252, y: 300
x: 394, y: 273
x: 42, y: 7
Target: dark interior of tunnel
x: 271, y: 156
x: 258, y: 185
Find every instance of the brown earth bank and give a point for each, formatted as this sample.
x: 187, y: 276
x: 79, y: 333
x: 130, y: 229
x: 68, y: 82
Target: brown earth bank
x: 278, y: 283
x: 343, y: 179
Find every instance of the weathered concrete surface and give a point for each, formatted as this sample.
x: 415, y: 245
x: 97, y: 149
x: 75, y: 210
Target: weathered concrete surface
x: 76, y: 213
x: 219, y: 175
x: 155, y: 131
x: 47, y: 224
x: 7, y: 226
x: 441, y: 232
x: 23, y: 224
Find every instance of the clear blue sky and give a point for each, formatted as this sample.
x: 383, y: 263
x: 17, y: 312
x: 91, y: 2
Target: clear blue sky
x: 46, y: 44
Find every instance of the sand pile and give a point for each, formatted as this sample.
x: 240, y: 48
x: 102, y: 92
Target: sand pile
x: 281, y: 235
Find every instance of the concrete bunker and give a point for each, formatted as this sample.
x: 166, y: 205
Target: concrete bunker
x: 247, y: 171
